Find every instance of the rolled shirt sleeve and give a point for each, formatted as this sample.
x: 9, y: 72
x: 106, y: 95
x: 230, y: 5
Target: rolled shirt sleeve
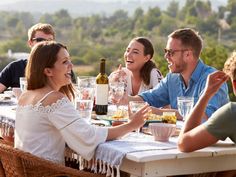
x: 172, y: 86
x: 159, y: 95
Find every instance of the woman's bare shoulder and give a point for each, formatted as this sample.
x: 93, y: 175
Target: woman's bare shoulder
x: 52, y: 98
x: 33, y: 97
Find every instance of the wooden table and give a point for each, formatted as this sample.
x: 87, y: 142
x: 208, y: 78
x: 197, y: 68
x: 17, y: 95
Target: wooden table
x: 160, y: 163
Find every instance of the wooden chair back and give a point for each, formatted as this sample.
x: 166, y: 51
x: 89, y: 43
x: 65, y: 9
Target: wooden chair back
x: 17, y: 163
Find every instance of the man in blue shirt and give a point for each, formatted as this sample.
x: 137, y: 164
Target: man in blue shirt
x: 187, y: 75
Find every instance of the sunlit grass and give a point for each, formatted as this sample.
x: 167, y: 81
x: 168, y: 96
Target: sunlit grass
x: 83, y: 69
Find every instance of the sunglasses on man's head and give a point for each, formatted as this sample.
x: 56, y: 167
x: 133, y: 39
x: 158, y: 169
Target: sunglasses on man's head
x: 39, y: 39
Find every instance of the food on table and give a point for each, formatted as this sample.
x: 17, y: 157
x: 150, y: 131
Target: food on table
x: 153, y: 117
x: 167, y: 117
x: 170, y: 119
x: 120, y: 114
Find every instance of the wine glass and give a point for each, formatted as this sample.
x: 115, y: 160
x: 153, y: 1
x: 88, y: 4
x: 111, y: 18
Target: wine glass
x: 116, y: 92
x: 135, y: 106
x: 185, y: 104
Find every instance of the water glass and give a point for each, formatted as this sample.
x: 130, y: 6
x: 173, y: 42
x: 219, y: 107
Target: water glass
x: 86, y: 81
x: 84, y: 102
x: 116, y: 92
x: 135, y: 106
x: 17, y: 92
x: 185, y: 104
x: 23, y: 84
x: 85, y: 108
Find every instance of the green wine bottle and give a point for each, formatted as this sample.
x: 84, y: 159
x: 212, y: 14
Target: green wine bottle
x: 101, y: 103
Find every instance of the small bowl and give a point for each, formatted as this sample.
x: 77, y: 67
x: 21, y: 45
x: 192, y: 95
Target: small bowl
x: 162, y: 131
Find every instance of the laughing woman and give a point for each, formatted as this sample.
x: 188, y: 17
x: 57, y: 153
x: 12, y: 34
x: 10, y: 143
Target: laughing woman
x: 140, y: 72
x: 46, y: 118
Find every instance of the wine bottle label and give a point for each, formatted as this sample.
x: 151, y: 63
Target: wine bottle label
x: 101, y: 94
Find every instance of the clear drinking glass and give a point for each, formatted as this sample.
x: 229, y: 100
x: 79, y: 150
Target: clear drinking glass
x: 116, y: 92
x: 86, y: 81
x: 185, y: 104
x: 84, y: 102
x: 85, y: 96
x: 136, y: 106
x: 23, y: 83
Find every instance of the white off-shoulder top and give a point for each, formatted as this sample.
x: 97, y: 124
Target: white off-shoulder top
x: 44, y: 130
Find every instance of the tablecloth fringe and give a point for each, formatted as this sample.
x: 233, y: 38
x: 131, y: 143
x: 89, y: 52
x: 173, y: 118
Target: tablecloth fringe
x: 95, y: 165
x: 99, y: 166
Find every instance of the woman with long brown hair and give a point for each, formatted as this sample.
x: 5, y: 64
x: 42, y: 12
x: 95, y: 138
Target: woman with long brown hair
x: 46, y: 118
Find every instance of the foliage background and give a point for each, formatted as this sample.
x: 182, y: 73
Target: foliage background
x: 91, y: 38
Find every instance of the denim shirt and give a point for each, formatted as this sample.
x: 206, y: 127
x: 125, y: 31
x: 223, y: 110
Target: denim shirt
x: 172, y: 86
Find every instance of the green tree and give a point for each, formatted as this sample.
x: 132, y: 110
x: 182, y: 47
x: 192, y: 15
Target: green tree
x: 16, y: 45
x: 138, y: 19
x: 152, y: 18
x: 167, y: 25
x: 221, y: 12
x: 231, y: 6
x: 138, y: 13
x: 203, y: 9
x: 120, y: 21
x: 12, y: 21
x: 62, y: 19
x: 173, y: 9
x: 26, y: 19
x: 184, y: 12
x: 47, y: 18
x: 214, y: 54
x: 209, y: 25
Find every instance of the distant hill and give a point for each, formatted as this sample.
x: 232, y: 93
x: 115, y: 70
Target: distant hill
x: 89, y: 7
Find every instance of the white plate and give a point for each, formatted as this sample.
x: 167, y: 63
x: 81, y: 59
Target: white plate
x: 4, y: 98
x: 109, y: 118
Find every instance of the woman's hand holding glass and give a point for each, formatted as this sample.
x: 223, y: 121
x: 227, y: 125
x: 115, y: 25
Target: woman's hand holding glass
x: 138, y: 117
x: 136, y: 106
